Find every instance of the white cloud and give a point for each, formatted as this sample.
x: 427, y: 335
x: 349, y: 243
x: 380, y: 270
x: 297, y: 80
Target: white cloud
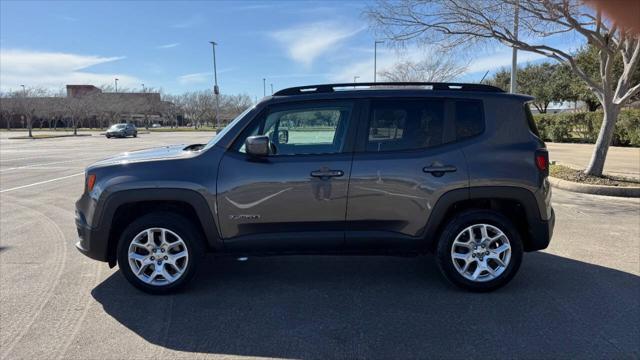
x: 195, y: 78
x: 168, y: 46
x: 201, y: 77
x: 305, y: 43
x: 53, y: 70
x: 363, y: 67
x: 499, y: 59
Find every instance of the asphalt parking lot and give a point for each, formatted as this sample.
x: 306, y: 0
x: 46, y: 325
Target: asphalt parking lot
x: 578, y: 298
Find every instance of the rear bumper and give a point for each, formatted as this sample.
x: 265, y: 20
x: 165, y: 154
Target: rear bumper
x: 91, y: 242
x: 540, y: 233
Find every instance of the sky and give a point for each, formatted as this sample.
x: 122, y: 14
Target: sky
x: 165, y: 45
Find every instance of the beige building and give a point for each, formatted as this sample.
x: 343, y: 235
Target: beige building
x: 87, y: 106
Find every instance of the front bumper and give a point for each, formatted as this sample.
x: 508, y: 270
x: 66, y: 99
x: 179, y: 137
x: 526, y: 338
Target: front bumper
x: 91, y: 242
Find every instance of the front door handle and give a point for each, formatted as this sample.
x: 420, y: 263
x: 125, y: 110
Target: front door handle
x: 327, y: 173
x: 439, y: 170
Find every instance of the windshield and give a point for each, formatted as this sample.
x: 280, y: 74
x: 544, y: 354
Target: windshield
x: 226, y: 129
x: 117, y: 126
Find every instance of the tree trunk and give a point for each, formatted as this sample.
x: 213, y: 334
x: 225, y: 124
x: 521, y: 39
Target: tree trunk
x: 29, y: 126
x: 596, y: 165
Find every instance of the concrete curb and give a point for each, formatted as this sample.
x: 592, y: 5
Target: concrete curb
x: 620, y: 191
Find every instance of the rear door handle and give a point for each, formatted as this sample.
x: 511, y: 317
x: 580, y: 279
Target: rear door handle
x: 438, y: 171
x: 327, y: 173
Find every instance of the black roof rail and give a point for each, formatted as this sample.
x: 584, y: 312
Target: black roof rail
x: 328, y: 88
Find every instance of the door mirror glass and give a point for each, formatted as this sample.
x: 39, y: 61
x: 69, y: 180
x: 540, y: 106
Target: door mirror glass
x: 257, y: 145
x: 283, y: 136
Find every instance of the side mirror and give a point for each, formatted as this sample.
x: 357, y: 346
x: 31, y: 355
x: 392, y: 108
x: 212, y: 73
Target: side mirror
x: 283, y: 136
x: 257, y: 145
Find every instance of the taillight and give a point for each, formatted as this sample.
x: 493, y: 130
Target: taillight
x: 91, y: 180
x: 542, y: 161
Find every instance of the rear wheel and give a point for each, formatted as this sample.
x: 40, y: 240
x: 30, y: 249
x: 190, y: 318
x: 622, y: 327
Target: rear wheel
x: 158, y: 253
x: 479, y: 250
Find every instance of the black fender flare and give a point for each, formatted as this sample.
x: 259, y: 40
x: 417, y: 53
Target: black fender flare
x: 206, y: 215
x: 539, y: 230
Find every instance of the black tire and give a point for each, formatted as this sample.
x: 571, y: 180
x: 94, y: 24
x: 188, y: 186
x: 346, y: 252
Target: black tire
x: 108, y: 136
x: 459, y: 223
x: 178, y: 224
x: 135, y: 134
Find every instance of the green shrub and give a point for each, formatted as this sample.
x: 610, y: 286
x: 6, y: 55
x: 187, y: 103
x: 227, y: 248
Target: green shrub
x: 556, y: 128
x: 628, y: 127
x: 585, y: 126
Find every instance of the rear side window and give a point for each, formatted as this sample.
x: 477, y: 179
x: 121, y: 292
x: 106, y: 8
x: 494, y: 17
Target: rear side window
x: 530, y: 121
x: 405, y: 124
x: 469, y: 118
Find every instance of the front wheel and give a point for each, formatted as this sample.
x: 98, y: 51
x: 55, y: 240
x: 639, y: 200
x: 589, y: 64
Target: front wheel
x: 135, y: 134
x: 479, y: 250
x: 158, y: 253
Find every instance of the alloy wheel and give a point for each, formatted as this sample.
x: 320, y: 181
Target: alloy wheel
x: 158, y: 256
x: 481, y: 252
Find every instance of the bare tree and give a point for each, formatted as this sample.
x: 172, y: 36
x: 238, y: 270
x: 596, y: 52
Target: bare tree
x: 432, y: 69
x: 232, y: 105
x: 80, y: 109
x: 173, y: 106
x: 27, y: 104
x: 6, y: 108
x: 456, y: 23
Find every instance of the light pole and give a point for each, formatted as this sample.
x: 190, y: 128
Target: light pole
x: 116, y: 82
x: 142, y: 87
x: 514, y: 55
x: 216, y: 90
x: 375, y: 58
x: 272, y: 89
x: 264, y: 87
x: 24, y: 91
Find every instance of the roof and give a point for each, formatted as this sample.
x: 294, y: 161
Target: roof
x: 431, y: 86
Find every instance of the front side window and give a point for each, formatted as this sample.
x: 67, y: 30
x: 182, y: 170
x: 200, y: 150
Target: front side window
x: 405, y: 125
x: 299, y: 129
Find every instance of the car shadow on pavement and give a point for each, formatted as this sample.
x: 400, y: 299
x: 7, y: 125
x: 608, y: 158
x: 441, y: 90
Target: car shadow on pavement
x: 384, y: 307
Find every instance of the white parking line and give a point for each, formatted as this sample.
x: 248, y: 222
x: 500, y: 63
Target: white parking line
x: 44, y: 164
x: 44, y: 167
x: 40, y: 182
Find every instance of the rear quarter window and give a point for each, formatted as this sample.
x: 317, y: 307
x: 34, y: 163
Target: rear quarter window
x: 469, y: 118
x: 530, y: 121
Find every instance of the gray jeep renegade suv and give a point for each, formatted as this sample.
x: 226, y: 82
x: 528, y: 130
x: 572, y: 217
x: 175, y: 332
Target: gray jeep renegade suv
x: 387, y: 168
